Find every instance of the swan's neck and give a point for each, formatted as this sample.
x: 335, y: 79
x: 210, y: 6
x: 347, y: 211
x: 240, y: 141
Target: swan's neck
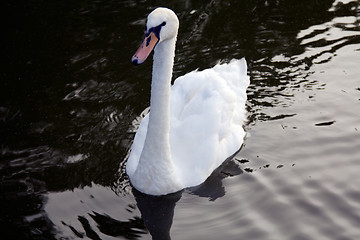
x: 157, y: 137
x: 155, y: 157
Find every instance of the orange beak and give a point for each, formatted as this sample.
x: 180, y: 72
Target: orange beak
x: 145, y: 49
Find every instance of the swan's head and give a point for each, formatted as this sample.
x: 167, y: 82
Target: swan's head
x: 162, y: 24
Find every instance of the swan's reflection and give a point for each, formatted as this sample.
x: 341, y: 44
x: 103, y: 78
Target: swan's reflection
x: 213, y: 187
x: 158, y: 211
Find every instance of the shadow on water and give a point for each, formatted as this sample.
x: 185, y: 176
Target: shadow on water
x: 157, y: 212
x: 97, y: 212
x: 69, y: 94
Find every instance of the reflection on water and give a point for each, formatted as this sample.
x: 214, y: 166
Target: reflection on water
x: 69, y: 98
x: 157, y: 212
x: 97, y: 212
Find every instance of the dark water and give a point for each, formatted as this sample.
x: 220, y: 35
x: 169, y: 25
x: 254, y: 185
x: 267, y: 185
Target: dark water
x: 70, y: 101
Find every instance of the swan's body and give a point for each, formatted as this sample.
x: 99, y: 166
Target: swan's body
x: 192, y: 126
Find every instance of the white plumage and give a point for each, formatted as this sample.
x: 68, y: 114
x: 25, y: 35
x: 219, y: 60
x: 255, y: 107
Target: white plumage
x: 192, y: 126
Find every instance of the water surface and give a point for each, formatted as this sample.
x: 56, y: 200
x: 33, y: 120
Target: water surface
x: 70, y: 102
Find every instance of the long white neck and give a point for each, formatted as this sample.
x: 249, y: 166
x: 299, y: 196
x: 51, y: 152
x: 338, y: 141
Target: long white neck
x: 157, y: 137
x: 156, y: 155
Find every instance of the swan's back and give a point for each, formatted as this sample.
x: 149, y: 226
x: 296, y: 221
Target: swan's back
x: 207, y: 112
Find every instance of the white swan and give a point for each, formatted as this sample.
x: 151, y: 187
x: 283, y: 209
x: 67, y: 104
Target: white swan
x: 192, y: 126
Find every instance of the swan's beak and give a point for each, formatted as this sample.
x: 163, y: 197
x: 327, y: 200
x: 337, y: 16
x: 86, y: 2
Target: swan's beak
x: 145, y: 49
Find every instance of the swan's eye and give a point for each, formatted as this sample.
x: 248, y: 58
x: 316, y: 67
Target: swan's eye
x: 155, y: 30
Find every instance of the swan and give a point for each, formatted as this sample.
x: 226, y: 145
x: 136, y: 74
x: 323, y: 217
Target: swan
x: 194, y: 125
